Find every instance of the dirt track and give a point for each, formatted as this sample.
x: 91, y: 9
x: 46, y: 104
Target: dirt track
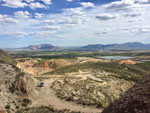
x: 45, y: 96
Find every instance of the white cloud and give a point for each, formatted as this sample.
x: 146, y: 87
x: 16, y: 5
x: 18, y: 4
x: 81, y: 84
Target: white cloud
x: 133, y: 15
x: 29, y: 1
x: 48, y: 2
x: 38, y: 15
x: 144, y: 29
x: 50, y: 27
x: 75, y: 12
x: 123, y: 5
x: 22, y: 14
x: 14, y: 3
x: 142, y: 1
x: 19, y: 34
x: 46, y: 32
x: 105, y: 17
x: 33, y: 4
x: 69, y: 0
x: 10, y: 21
x: 37, y: 5
x: 52, y: 21
x: 87, y: 4
x: 5, y: 19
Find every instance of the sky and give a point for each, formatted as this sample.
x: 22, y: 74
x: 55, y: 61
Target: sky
x: 73, y: 22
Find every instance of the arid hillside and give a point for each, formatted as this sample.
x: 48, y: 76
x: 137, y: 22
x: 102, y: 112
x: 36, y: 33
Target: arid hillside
x: 75, y: 85
x: 37, y: 67
x: 4, y: 57
x: 15, y: 88
x: 15, y: 85
x: 135, y: 100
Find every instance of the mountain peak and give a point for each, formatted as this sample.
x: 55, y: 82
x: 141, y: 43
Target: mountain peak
x: 41, y: 46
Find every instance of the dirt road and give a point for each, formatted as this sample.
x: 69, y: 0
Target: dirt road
x: 46, y: 96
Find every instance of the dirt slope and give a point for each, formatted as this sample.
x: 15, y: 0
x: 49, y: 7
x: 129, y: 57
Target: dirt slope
x: 4, y: 57
x: 136, y: 100
x: 38, y: 68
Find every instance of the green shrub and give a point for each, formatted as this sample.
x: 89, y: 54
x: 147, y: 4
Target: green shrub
x: 7, y: 106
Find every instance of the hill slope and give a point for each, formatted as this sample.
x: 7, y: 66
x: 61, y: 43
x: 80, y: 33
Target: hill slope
x: 6, y: 58
x: 136, y: 100
x: 15, y: 85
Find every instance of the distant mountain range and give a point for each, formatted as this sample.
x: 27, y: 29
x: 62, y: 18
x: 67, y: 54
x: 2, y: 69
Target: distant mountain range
x: 124, y: 46
x: 93, y: 47
x: 42, y: 47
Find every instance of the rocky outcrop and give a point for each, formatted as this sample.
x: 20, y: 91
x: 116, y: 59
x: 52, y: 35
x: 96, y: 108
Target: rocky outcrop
x: 37, y: 68
x: 127, y: 61
x: 136, y: 99
x: 52, y: 64
x: 88, y: 89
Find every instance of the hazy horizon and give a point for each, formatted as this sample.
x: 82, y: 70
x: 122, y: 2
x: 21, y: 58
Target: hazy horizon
x: 71, y: 45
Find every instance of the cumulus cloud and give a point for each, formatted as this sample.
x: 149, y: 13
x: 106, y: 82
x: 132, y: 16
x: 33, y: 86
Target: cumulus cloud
x: 22, y: 14
x: 142, y: 1
x: 87, y: 4
x: 29, y: 1
x: 48, y: 2
x: 52, y: 21
x: 73, y: 16
x: 38, y: 15
x: 75, y: 12
x: 37, y: 5
x: 133, y: 15
x: 19, y: 34
x: 105, y: 17
x: 123, y: 5
x: 50, y: 27
x: 42, y: 33
x: 143, y: 30
x: 10, y: 21
x: 5, y: 19
x: 101, y: 33
x: 14, y: 3
x: 33, y: 4
x: 69, y: 0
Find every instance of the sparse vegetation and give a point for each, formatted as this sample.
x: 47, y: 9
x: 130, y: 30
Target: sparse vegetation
x: 127, y: 72
x: 144, y: 65
x: 94, y: 84
x: 7, y: 107
x: 45, y: 109
x: 26, y: 102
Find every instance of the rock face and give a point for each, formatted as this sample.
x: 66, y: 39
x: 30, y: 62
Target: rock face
x: 6, y: 58
x: 136, y: 99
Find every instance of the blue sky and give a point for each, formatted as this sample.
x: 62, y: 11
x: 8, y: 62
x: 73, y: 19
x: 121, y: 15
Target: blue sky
x: 73, y: 22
